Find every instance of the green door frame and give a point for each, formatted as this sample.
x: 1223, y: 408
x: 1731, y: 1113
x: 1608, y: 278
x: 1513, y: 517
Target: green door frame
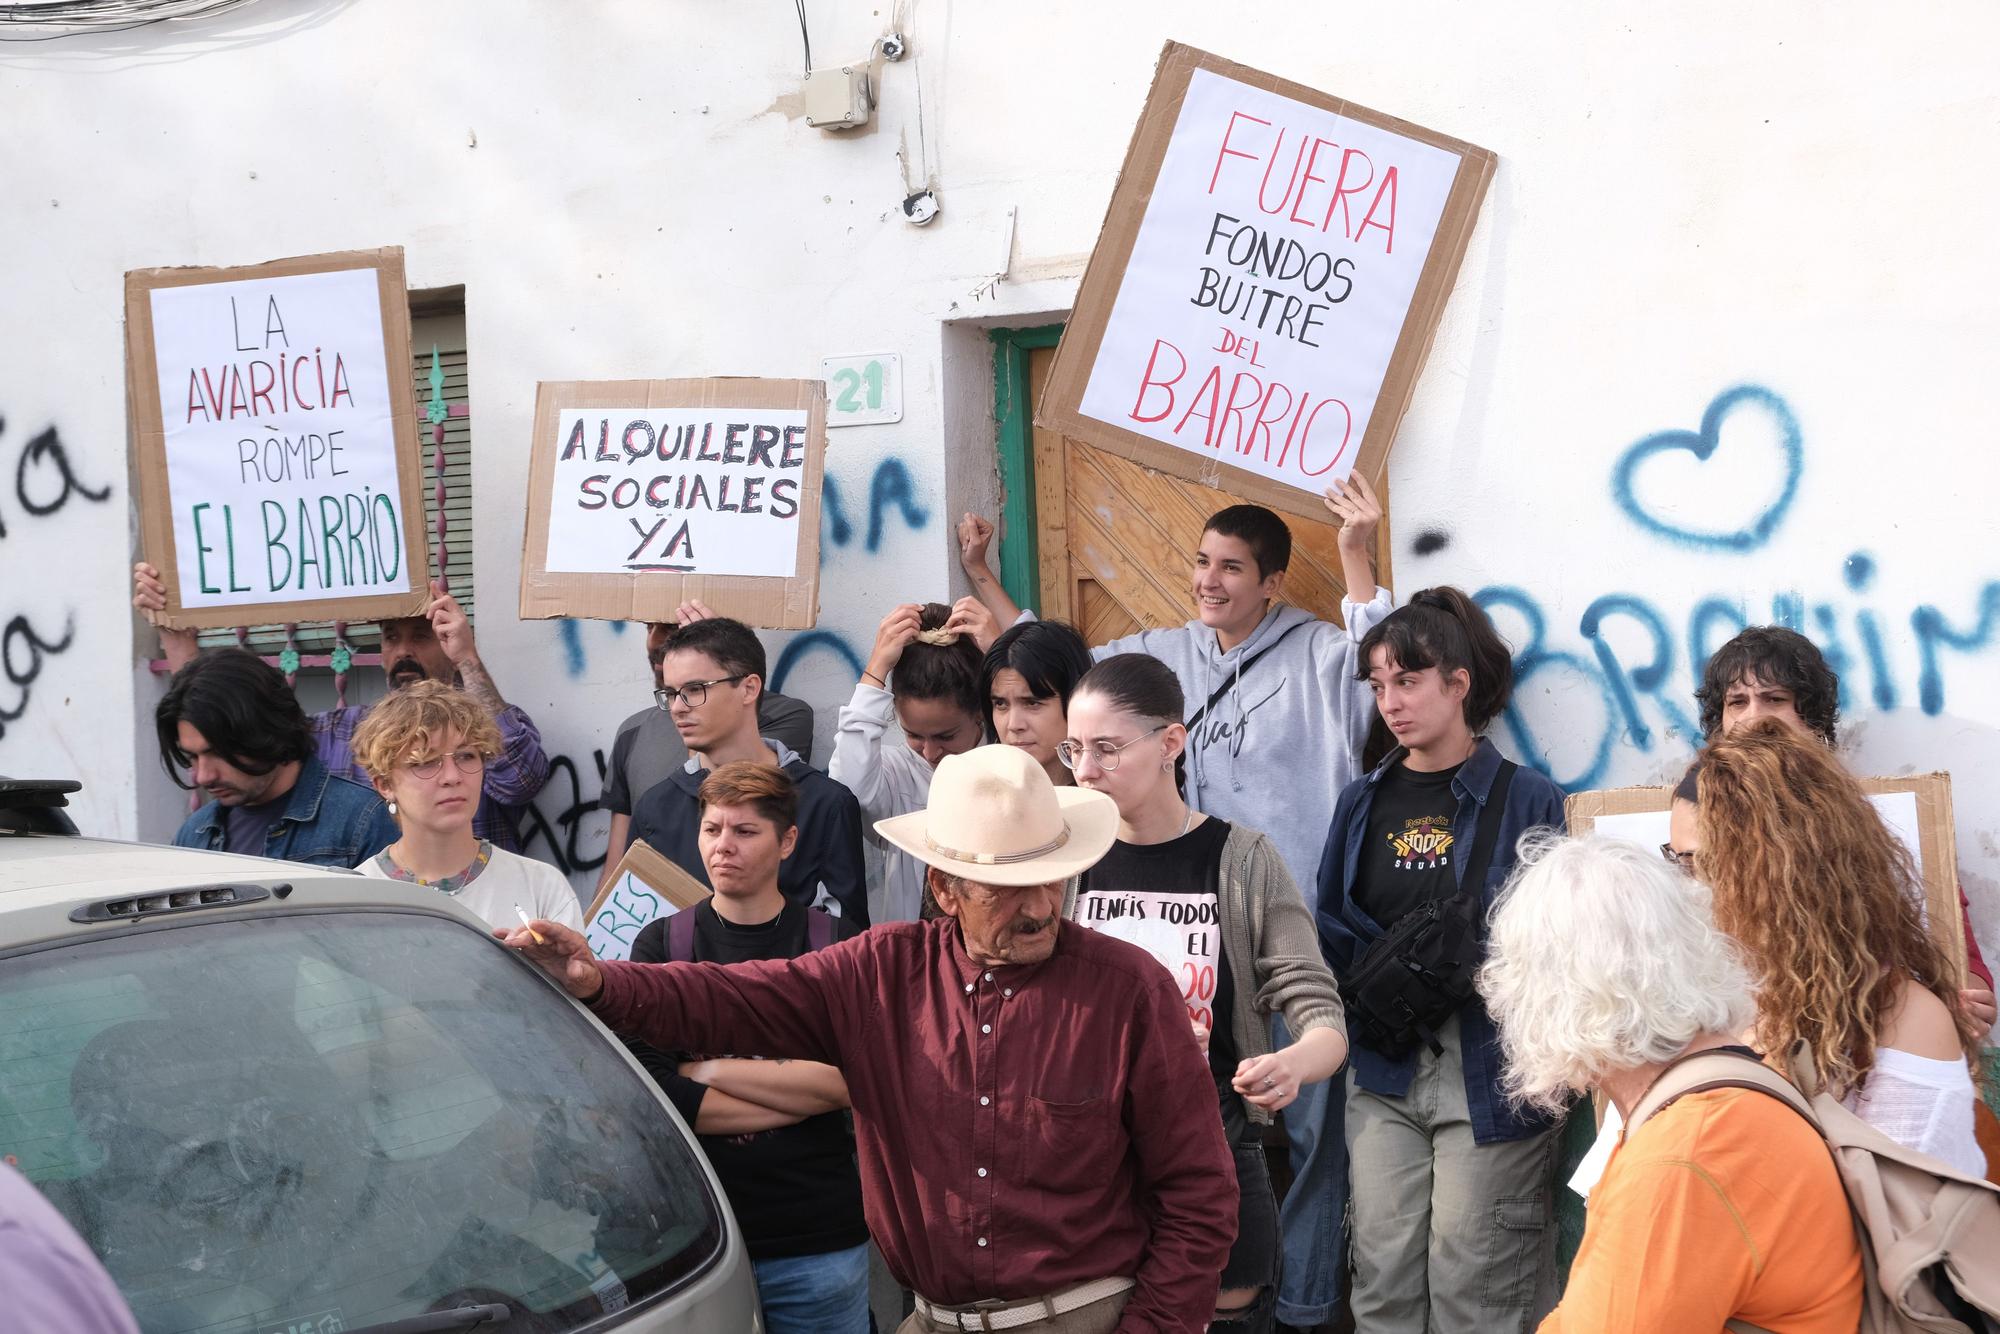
x: 1020, y: 557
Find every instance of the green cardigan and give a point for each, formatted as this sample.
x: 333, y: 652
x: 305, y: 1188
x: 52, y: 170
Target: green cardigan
x: 1272, y: 946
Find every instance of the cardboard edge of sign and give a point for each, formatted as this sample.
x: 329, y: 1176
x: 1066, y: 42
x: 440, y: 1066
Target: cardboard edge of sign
x: 768, y: 602
x: 656, y: 873
x: 1936, y: 837
x: 1061, y: 406
x: 147, y: 441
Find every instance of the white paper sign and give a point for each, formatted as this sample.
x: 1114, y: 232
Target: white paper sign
x: 1268, y: 283
x: 677, y: 490
x: 627, y: 908
x: 280, y: 442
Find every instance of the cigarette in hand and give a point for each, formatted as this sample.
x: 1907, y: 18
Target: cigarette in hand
x: 530, y: 925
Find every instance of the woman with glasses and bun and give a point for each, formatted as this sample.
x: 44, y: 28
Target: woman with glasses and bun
x: 1215, y: 905
x: 425, y: 748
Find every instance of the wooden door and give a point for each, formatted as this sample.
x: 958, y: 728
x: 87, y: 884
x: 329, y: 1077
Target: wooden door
x: 1117, y: 540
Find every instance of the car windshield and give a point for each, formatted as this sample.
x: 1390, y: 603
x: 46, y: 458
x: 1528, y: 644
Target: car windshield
x: 323, y: 1121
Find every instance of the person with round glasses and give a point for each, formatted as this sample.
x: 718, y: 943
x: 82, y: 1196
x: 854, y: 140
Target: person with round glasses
x: 425, y: 748
x: 1213, y: 903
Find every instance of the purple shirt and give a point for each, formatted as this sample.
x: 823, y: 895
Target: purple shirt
x: 513, y: 777
x: 50, y: 1280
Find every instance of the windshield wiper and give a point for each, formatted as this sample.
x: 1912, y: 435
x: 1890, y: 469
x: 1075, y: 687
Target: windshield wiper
x: 438, y: 1322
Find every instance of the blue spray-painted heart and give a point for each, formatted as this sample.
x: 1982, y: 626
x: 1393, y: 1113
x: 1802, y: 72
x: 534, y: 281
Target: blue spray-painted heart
x: 1702, y: 445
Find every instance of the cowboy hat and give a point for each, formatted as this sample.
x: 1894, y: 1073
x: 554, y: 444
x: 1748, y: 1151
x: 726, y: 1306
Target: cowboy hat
x: 996, y: 819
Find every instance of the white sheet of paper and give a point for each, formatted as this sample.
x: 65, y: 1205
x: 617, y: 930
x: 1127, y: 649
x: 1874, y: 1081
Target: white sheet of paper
x: 677, y: 490
x: 280, y: 442
x: 1590, y: 1170
x: 1285, y: 383
x: 629, y: 906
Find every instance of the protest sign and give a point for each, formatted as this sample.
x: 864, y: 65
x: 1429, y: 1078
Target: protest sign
x: 1915, y: 807
x: 643, y: 888
x: 643, y: 494
x: 275, y: 440
x: 1266, y: 285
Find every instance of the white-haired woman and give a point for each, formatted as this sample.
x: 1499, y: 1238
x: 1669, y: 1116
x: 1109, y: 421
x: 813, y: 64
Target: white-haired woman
x: 1605, y: 969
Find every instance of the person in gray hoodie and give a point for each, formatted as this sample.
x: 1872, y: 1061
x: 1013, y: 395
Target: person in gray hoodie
x: 1277, y: 722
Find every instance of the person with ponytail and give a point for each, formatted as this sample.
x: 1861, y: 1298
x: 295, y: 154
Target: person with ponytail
x: 1453, y: 1224
x: 925, y: 673
x: 1025, y: 684
x: 1212, y: 901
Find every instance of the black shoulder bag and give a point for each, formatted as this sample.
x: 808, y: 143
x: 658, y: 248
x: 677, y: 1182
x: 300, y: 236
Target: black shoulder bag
x: 1418, y: 973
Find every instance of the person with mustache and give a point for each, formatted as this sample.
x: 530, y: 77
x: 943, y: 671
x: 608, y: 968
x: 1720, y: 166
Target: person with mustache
x: 232, y: 723
x: 437, y: 646
x: 1039, y: 1147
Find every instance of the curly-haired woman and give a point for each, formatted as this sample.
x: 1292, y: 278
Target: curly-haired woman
x: 1825, y: 899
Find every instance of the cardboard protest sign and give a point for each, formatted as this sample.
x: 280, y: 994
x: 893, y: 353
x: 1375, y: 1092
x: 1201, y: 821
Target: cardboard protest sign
x: 643, y: 494
x: 1265, y: 289
x: 1916, y: 807
x: 275, y: 439
x: 643, y: 888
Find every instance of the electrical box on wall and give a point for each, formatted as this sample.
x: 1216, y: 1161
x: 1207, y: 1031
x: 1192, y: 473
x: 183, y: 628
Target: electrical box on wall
x: 837, y: 98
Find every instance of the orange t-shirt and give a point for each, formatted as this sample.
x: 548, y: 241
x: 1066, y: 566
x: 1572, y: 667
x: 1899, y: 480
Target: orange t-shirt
x: 1725, y: 1206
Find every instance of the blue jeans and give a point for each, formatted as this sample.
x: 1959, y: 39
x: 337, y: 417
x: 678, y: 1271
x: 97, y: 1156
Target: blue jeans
x: 1313, y: 1217
x: 815, y: 1294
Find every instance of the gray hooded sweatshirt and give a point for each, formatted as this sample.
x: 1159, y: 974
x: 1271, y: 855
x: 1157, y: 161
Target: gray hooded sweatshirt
x: 1286, y: 737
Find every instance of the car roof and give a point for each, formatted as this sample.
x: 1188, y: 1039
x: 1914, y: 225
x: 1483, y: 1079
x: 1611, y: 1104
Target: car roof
x: 44, y: 876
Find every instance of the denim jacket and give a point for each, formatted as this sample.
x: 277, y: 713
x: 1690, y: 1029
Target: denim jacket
x: 328, y: 822
x: 1345, y: 931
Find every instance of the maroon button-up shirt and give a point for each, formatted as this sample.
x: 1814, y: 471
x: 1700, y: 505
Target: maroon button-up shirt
x: 1020, y: 1129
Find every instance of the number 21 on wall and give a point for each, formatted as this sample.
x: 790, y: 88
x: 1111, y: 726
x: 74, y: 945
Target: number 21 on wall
x: 865, y: 390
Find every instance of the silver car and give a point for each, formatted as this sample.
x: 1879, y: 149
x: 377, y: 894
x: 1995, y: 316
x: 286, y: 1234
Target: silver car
x: 277, y: 1099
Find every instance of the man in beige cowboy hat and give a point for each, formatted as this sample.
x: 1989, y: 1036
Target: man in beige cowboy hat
x: 1035, y: 1122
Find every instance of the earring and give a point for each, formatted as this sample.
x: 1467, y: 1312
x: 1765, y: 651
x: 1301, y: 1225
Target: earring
x: 1166, y: 765
x: 392, y: 806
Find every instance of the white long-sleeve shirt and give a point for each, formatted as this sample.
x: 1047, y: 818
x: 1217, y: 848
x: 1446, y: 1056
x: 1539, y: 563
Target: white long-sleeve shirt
x: 887, y: 780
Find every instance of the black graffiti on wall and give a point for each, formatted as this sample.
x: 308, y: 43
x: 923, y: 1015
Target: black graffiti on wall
x: 45, y: 483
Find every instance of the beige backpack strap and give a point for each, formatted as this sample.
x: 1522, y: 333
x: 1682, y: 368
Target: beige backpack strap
x: 1705, y: 1070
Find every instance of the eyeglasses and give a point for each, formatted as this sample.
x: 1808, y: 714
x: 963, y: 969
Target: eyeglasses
x: 1683, y: 860
x: 694, y: 692
x: 1106, y: 754
x: 467, y: 761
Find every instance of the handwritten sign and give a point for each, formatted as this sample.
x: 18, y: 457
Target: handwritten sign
x: 276, y: 439
x: 1916, y: 808
x: 643, y: 888
x: 644, y: 494
x: 1268, y: 280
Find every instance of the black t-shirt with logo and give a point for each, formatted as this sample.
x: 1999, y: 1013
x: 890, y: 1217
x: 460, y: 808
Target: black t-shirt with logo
x: 1409, y: 855
x: 1163, y: 897
x: 796, y: 1190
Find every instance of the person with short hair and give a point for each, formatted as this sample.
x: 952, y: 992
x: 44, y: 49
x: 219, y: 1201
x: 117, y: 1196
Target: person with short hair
x: 1274, y: 687
x: 1037, y: 1131
x: 425, y: 747
x: 776, y: 1132
x: 232, y: 723
x: 712, y: 672
x: 1826, y: 900
x: 1769, y: 671
x: 1436, y: 1150
x: 436, y: 646
x: 648, y: 749
x: 924, y: 675
x: 1025, y: 683
x: 1604, y: 969
x: 1214, y: 904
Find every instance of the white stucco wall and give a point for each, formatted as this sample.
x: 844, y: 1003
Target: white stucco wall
x: 1689, y: 199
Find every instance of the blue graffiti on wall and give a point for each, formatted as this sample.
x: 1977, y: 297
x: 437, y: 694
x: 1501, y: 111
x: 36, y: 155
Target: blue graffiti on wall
x: 1646, y: 697
x: 1702, y: 443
